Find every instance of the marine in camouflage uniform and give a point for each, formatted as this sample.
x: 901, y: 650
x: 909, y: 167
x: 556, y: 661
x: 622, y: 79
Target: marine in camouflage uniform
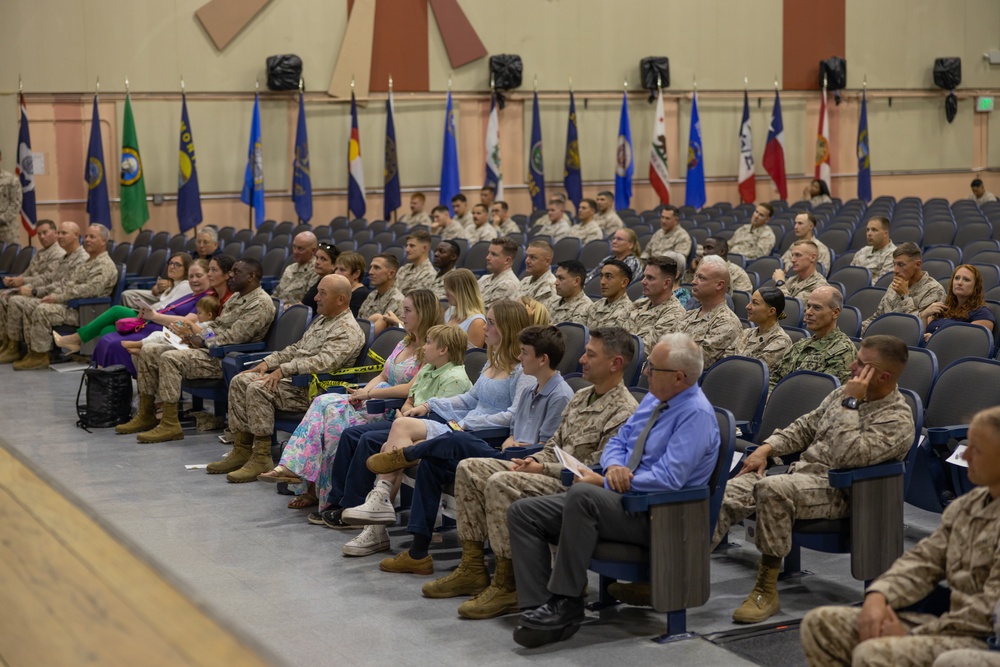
x: 328, y: 344
x: 964, y: 551
x: 438, y: 286
x: 10, y: 206
x: 484, y: 232
x: 714, y: 331
x: 738, y: 279
x: 416, y: 276
x: 676, y: 240
x: 614, y: 314
x: 96, y: 277
x: 822, y: 256
x: 769, y: 346
x: 752, y: 242
x: 414, y: 219
x: 506, y: 227
x: 833, y: 353
x: 161, y: 368
x: 609, y: 222
x: 921, y: 294
x: 879, y: 262
x: 19, y: 308
x: 801, y: 288
x: 586, y: 232
x: 542, y: 289
x: 557, y: 230
x: 967, y: 657
x: 575, y: 309
x: 376, y: 303
x: 650, y: 322
x: 485, y: 488
x: 296, y: 280
x: 831, y: 436
x: 503, y: 285
x: 44, y: 265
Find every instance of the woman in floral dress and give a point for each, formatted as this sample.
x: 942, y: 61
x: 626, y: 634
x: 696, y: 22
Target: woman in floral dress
x: 309, y: 453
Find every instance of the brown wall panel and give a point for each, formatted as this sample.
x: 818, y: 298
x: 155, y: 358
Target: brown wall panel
x: 400, y: 47
x: 812, y: 31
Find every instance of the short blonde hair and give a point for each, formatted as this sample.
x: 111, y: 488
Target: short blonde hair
x: 451, y: 337
x: 538, y: 313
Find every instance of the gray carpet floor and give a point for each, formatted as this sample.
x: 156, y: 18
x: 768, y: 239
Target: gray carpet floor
x: 282, y: 583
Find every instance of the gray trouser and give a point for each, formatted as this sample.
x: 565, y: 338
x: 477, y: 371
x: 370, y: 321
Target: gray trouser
x: 136, y: 298
x: 576, y: 521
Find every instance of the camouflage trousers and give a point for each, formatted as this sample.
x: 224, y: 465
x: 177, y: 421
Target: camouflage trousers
x: 9, y: 232
x: 160, y: 369
x: 46, y: 317
x: 484, y: 489
x: 19, y: 312
x: 252, y: 405
x: 965, y: 657
x: 830, y: 637
x: 4, y: 307
x: 778, y: 501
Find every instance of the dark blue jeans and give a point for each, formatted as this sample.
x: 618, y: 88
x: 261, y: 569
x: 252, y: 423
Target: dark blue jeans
x: 439, y: 459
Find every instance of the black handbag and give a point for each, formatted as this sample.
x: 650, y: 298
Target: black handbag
x: 108, y: 397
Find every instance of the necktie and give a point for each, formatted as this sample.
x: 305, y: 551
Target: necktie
x: 640, y: 444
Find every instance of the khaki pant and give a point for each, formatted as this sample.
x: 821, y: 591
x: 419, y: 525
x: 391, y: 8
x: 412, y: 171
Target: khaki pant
x: 252, y: 406
x: 778, y: 501
x: 830, y: 637
x: 161, y: 368
x: 19, y: 311
x: 46, y: 317
x: 484, y: 489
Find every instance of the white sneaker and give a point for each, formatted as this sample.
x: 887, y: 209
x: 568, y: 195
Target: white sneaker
x: 371, y: 540
x: 377, y: 509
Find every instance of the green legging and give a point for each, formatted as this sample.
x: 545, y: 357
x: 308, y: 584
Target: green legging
x: 104, y: 323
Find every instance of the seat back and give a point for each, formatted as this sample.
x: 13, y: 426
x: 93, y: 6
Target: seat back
x: 475, y: 258
x: 254, y: 251
x: 849, y: 321
x: 740, y: 302
x: 796, y: 333
x: 161, y: 240
x: 796, y: 394
x: 22, y: 260
x: 576, y: 336
x: 290, y: 327
x: 906, y: 327
x: 566, y: 249
x: 284, y: 227
x: 475, y: 360
x: 576, y: 382
x: 852, y: 278
x: 959, y: 339
x: 592, y: 253
x: 233, y: 249
x: 920, y: 373
x: 136, y: 259
x: 143, y: 238
x: 764, y: 266
x: 274, y: 262
x: 793, y: 312
x: 719, y: 478
x: 990, y: 274
x: 368, y: 251
x: 366, y: 329
x: 634, y: 367
x: 952, y: 402
x: 379, y: 348
x: 155, y: 263
x: 738, y: 384
x: 938, y: 268
x: 866, y: 300
x: 121, y: 252
x: 280, y: 241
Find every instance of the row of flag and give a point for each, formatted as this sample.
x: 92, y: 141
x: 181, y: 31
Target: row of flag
x: 135, y: 211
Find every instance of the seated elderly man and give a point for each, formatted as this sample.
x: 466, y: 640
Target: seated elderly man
x: 299, y: 276
x: 206, y: 243
x: 714, y: 326
x: 963, y: 552
x: 161, y: 368
x: 828, y: 350
x: 95, y: 277
x: 911, y: 290
x: 332, y: 341
x: 805, y: 278
x: 485, y: 487
x: 671, y: 442
x: 864, y: 422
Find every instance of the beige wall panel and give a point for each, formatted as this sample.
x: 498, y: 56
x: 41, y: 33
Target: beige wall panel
x: 42, y: 42
x: 913, y: 134
x: 993, y: 139
x: 896, y: 42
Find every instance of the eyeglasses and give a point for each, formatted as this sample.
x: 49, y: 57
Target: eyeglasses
x: 649, y: 368
x: 175, y: 265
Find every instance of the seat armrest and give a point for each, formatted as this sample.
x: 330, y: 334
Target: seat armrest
x: 377, y: 406
x: 491, y: 433
x: 245, y: 360
x: 222, y: 350
x: 845, y: 478
x: 524, y: 452
x: 335, y: 389
x: 140, y: 283
x: 940, y: 435
x: 641, y: 502
x: 93, y: 301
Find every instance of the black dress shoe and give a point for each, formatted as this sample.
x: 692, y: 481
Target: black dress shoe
x: 557, y: 613
x: 531, y: 638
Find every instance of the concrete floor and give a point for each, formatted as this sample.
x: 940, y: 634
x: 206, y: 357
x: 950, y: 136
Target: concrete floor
x: 262, y: 570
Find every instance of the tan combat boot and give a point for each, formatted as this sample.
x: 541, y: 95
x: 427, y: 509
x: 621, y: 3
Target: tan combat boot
x: 235, y: 458
x: 260, y: 461
x: 499, y: 599
x: 10, y: 352
x: 469, y: 578
x: 33, y: 361
x: 145, y: 418
x: 762, y: 603
x: 168, y: 429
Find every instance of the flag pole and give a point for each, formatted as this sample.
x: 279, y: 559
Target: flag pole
x: 301, y: 89
x: 256, y: 89
x: 347, y: 202
x: 395, y: 212
x: 20, y: 101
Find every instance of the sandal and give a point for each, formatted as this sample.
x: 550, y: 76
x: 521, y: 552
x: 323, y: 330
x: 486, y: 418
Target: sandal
x: 279, y: 474
x: 304, y: 501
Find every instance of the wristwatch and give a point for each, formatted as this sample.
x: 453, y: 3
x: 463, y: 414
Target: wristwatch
x: 850, y: 403
x: 779, y: 283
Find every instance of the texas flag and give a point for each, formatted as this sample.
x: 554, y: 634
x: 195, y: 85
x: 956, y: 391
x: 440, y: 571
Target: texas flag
x: 774, y: 151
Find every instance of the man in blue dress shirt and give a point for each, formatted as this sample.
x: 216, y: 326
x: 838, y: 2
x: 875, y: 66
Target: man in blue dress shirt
x: 671, y: 442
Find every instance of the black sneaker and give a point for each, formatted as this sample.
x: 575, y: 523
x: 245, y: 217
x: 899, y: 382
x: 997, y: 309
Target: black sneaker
x: 315, y: 519
x: 331, y: 519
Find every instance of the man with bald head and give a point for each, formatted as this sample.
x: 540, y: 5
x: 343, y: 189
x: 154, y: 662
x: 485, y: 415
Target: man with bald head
x: 95, y: 277
x: 332, y: 341
x: 828, y: 350
x: 862, y: 423
x: 299, y: 276
x: 738, y: 278
x: 713, y: 325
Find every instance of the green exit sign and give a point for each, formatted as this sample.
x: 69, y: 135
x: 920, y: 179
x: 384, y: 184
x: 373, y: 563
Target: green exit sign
x: 984, y: 104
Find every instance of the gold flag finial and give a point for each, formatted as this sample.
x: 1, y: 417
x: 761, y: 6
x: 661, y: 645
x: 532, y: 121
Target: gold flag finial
x: 390, y: 82
x: 775, y: 82
x: 746, y: 82
x: 182, y: 84
x: 126, y: 84
x: 256, y: 85
x: 536, y: 83
x: 97, y: 86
